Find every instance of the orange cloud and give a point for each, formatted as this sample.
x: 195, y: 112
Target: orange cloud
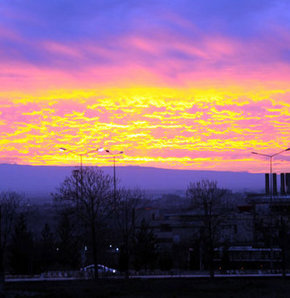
x: 174, y: 128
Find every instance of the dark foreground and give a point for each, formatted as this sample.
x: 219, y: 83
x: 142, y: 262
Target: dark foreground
x: 223, y: 288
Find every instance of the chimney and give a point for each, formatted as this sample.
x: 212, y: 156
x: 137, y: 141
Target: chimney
x: 282, y: 184
x: 267, y: 188
x: 275, y: 184
x: 288, y: 183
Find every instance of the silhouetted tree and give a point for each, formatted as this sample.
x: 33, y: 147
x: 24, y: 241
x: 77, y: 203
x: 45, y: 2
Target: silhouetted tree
x: 68, y: 244
x: 125, y: 213
x: 145, y: 247
x: 208, y: 198
x: 21, y: 248
x: 89, y: 192
x: 47, y: 248
x: 9, y: 205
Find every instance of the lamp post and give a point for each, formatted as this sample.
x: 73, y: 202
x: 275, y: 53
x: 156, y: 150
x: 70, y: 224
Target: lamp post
x: 80, y: 154
x: 270, y: 156
x: 114, y: 155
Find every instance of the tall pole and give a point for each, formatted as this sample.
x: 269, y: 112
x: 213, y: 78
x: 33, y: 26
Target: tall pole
x: 82, y: 181
x: 81, y: 168
x: 271, y: 176
x: 114, y: 155
x: 114, y: 159
x: 81, y: 162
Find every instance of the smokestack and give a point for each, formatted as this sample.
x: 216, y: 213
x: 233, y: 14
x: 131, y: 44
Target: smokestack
x: 282, y: 184
x: 288, y: 183
x: 275, y: 184
x: 267, y: 188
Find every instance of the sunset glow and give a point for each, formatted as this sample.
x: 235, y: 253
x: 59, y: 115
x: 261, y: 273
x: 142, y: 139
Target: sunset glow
x: 154, y: 81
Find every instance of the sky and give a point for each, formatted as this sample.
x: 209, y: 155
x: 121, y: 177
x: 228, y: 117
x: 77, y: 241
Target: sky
x: 180, y: 84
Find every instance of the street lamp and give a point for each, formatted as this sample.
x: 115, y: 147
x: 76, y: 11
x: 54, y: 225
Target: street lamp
x: 114, y: 155
x: 270, y: 156
x: 80, y: 154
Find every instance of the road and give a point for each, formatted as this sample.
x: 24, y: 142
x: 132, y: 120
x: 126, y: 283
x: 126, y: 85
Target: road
x: 193, y: 276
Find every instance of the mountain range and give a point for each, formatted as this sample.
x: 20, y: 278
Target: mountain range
x: 41, y: 181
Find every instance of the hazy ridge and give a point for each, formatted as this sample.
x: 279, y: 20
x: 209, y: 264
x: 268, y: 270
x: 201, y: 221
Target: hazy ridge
x: 43, y: 180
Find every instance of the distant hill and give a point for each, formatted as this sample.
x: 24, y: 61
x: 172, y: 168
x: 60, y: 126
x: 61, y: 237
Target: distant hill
x: 40, y: 181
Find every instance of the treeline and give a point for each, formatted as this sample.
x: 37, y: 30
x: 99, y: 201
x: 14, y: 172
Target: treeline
x: 66, y: 246
x: 90, y: 222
